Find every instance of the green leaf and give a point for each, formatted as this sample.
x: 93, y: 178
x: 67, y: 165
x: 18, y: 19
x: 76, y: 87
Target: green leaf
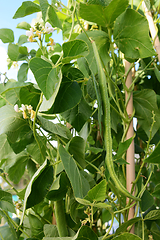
x: 123, y: 146
x: 147, y: 201
x: 22, y: 72
x: 50, y: 230
x: 154, y: 157
x: 53, y: 18
x: 145, y: 101
x: 98, y: 192
x: 156, y: 192
x: 57, y: 129
x: 6, y: 35
x: 58, y: 238
x: 29, y: 95
x: 72, y: 171
x: 47, y: 104
x: 22, y: 39
x: 44, y: 6
x: 24, y: 25
x: 16, y: 171
x: 125, y: 225
x: 6, y: 202
x: 33, y: 150
x: 27, y: 8
x: 13, y: 51
x: 153, y: 215
x: 36, y: 226
x: 74, y: 49
x: 12, y: 123
x: 69, y: 96
x: 46, y: 76
x: 59, y: 188
x: 87, y: 233
x: 5, y: 148
x: 7, y: 232
x: 155, y: 231
x: 131, y: 35
x: 102, y: 42
x: 78, y: 115
x: 102, y: 15
x: 127, y: 236
x: 38, y: 187
x: 76, y: 147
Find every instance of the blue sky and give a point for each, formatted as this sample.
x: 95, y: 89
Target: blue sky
x: 8, y: 9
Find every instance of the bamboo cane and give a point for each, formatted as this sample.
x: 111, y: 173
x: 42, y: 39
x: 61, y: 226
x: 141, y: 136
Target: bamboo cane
x: 130, y: 168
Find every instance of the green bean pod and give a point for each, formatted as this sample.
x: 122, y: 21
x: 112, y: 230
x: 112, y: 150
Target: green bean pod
x: 107, y: 125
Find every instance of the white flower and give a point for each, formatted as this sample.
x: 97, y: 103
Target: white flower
x: 29, y: 108
x: 30, y: 33
x: 48, y: 28
x: 16, y: 108
x: 23, y: 107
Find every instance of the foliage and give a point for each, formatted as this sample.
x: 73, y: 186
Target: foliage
x: 63, y: 139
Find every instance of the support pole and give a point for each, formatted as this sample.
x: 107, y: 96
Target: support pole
x: 130, y: 168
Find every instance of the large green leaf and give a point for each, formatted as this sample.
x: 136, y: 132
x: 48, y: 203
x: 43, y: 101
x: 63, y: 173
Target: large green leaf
x: 5, y: 148
x: 24, y: 25
x: 22, y: 72
x: 154, y: 157
x: 53, y: 18
x: 46, y: 76
x: 127, y: 236
x: 36, y: 226
x: 38, y: 186
x: 102, y: 15
x: 7, y: 232
x: 145, y: 102
x: 87, y: 233
x: 74, y: 49
x: 78, y: 115
x: 12, y: 123
x: 34, y: 151
x: 156, y: 192
x: 27, y: 8
x: 131, y: 35
x: 13, y: 52
x: 6, y: 35
x: 102, y: 42
x: 153, y: 215
x: 98, y: 193
x: 57, y: 129
x: 147, y: 201
x: 122, y: 148
x: 59, y: 188
x: 76, y: 148
x: 50, y: 230
x: 125, y: 225
x: 69, y: 96
x: 155, y: 231
x: 6, y: 202
x: 44, y: 6
x: 16, y: 171
x: 72, y: 171
x: 29, y: 96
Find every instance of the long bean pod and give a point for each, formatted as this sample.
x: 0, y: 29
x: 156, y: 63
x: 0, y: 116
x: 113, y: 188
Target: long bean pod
x: 107, y: 125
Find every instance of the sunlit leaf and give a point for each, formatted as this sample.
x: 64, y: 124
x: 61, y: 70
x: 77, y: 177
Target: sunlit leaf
x: 131, y: 35
x: 6, y: 202
x: 74, y: 49
x: 98, y: 193
x: 27, y: 8
x: 6, y: 35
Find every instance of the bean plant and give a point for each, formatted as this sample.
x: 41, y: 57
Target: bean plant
x: 64, y: 143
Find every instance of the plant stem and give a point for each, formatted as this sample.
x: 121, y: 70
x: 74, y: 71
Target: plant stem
x: 60, y: 218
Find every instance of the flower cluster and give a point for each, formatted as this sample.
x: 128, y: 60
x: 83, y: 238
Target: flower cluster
x: 38, y: 30
x: 27, y: 111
